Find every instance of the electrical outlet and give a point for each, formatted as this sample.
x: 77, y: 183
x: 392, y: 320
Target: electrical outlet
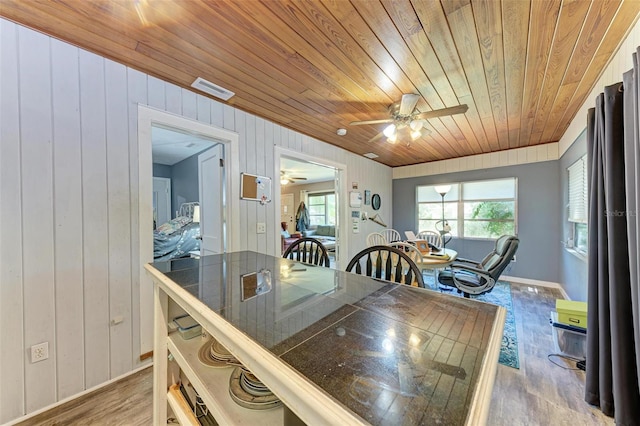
x: 261, y: 227
x: 39, y: 352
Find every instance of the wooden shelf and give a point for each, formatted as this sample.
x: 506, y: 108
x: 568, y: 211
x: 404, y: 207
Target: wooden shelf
x: 212, y: 385
x: 180, y: 407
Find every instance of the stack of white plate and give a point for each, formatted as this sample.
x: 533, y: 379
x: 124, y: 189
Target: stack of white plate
x: 249, y: 392
x: 214, y: 354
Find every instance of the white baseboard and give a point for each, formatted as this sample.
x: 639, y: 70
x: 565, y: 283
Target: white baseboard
x: 538, y: 283
x: 78, y: 395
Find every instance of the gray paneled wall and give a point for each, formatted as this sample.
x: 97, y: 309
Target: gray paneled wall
x: 69, y: 209
x: 538, y: 220
x: 184, y: 183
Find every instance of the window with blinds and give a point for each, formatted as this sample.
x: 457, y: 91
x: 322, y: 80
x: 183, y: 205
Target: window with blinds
x: 578, y: 191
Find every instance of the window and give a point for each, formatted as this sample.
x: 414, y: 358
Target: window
x: 322, y: 208
x: 479, y: 209
x: 578, y: 204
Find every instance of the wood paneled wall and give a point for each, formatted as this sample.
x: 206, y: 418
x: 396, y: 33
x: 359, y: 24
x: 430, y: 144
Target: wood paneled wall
x: 69, y: 209
x: 620, y: 63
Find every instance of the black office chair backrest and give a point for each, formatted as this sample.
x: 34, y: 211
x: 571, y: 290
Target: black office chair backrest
x: 497, y: 261
x: 386, y: 263
x: 308, y: 250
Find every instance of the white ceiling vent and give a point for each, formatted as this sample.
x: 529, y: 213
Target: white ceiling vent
x: 212, y: 89
x: 370, y: 155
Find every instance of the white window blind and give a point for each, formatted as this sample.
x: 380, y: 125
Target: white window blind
x: 578, y: 191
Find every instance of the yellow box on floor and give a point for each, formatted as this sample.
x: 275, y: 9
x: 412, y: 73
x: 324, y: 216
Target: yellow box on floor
x: 572, y: 313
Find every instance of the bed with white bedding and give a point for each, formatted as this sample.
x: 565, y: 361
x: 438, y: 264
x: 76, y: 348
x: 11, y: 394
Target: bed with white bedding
x: 177, y: 237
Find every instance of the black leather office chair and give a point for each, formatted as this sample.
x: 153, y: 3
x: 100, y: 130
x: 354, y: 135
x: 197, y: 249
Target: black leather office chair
x: 308, y: 250
x: 472, y: 277
x: 386, y: 263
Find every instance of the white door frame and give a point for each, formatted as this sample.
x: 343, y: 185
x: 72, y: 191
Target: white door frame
x: 341, y: 190
x: 147, y: 117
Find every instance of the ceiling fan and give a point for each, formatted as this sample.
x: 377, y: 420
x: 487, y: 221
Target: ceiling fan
x: 285, y: 179
x: 404, y: 119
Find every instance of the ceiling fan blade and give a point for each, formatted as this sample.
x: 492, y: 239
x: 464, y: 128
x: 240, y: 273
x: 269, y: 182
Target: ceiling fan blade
x: 360, y: 123
x: 376, y: 137
x: 458, y: 109
x: 298, y: 178
x: 408, y: 103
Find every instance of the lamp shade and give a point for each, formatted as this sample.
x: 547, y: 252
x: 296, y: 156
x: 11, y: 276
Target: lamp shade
x: 390, y: 130
x: 442, y: 189
x: 196, y: 214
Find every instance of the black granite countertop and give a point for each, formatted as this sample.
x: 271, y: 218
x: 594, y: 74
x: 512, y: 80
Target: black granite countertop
x: 393, y: 354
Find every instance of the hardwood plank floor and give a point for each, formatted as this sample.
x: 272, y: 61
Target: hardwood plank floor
x: 126, y: 402
x: 539, y: 393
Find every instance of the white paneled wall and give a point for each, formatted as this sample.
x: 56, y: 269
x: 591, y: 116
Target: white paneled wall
x: 69, y: 209
x: 511, y: 157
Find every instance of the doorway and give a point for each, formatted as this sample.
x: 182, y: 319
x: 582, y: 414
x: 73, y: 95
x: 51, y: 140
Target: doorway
x: 148, y: 119
x: 193, y: 162
x: 319, y: 184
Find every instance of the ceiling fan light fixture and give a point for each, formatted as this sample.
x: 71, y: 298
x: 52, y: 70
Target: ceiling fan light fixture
x: 390, y: 130
x: 416, y: 134
x: 284, y: 181
x: 393, y: 138
x: 416, y: 125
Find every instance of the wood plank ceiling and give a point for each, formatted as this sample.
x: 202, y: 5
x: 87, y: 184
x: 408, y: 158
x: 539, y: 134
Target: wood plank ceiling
x: 523, y: 67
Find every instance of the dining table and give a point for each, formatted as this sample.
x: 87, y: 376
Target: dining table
x: 438, y: 259
x: 334, y: 347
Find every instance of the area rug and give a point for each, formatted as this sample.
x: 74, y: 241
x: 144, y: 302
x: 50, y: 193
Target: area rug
x: 501, y: 296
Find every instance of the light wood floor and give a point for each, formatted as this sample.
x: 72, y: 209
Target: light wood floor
x: 539, y: 393
x: 126, y: 402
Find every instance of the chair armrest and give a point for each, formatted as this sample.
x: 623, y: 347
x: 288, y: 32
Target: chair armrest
x: 463, y: 260
x: 468, y: 288
x: 296, y: 235
x: 463, y: 267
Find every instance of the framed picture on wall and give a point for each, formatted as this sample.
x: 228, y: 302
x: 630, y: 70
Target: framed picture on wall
x: 367, y: 197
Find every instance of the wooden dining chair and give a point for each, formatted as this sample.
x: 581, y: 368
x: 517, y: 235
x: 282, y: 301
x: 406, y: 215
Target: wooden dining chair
x: 308, y: 250
x: 386, y: 263
x: 376, y: 239
x: 410, y: 250
x: 432, y: 237
x: 391, y: 235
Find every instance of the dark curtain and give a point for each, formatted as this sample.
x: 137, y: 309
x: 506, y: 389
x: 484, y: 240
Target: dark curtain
x: 613, y: 346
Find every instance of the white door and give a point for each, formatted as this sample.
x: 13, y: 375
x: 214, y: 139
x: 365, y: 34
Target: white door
x: 286, y: 212
x: 210, y: 176
x: 161, y: 200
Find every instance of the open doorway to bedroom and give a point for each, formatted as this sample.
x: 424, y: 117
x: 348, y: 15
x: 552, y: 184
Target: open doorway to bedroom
x: 225, y: 158
x: 180, y: 159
